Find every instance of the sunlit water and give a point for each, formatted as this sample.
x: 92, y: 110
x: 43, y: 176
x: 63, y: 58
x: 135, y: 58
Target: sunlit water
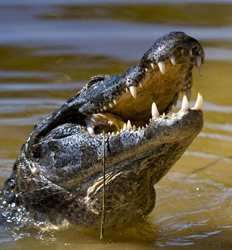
x: 48, y: 49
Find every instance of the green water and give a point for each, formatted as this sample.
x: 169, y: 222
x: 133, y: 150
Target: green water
x: 49, y: 48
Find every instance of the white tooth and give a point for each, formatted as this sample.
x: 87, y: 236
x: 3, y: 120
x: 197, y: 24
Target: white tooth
x: 104, y: 107
x: 133, y: 91
x: 140, y: 85
x: 124, y: 126
x: 173, y: 60
x: 161, y: 67
x: 128, y: 125
x: 126, y: 90
x: 199, y: 102
x: 146, y: 69
x: 152, y: 65
x: 111, y: 105
x: 114, y: 101
x: 190, y: 52
x: 198, y: 61
x: 90, y: 130
x: 134, y: 127
x: 154, y: 111
x: 185, y: 103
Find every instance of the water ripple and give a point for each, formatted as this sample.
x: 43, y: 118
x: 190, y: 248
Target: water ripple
x: 18, y: 105
x: 216, y: 136
x: 89, y: 2
x: 223, y: 127
x: 37, y: 86
x: 205, y: 155
x: 134, y: 37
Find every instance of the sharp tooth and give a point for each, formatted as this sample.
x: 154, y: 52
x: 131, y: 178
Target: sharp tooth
x: 90, y: 130
x: 133, y: 91
x: 134, y: 127
x: 140, y: 85
x: 198, y: 61
x: 199, y: 102
x: 124, y: 126
x: 146, y: 69
x: 114, y: 101
x: 161, y: 67
x: 128, y: 126
x: 190, y: 52
x: 185, y: 103
x: 111, y: 105
x: 104, y: 107
x: 152, y: 65
x: 173, y: 60
x: 154, y: 111
x: 126, y: 89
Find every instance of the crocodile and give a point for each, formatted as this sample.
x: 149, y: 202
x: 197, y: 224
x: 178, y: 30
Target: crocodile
x: 119, y: 134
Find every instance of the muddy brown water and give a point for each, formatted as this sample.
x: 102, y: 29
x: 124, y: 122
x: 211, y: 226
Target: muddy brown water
x: 48, y: 49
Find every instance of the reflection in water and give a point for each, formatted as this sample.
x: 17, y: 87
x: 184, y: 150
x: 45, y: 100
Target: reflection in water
x: 48, y: 49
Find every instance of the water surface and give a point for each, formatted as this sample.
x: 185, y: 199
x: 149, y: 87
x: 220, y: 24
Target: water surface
x: 48, y: 49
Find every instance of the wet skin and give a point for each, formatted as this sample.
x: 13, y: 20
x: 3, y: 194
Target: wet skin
x: 58, y: 174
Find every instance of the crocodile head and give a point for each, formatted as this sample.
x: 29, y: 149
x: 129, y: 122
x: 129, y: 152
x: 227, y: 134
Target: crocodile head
x: 114, y: 122
x: 163, y: 73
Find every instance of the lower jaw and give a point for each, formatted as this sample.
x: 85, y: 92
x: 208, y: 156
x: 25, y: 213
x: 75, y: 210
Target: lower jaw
x: 119, y: 125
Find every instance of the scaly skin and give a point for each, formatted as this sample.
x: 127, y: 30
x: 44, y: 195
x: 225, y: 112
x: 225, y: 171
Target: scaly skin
x: 58, y: 174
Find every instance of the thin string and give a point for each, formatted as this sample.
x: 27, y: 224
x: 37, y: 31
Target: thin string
x: 103, y: 195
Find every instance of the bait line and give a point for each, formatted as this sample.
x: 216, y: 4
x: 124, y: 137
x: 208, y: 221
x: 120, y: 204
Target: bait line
x: 103, y: 195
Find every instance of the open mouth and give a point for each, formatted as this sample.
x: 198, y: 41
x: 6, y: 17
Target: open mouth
x: 147, y: 91
x: 151, y: 89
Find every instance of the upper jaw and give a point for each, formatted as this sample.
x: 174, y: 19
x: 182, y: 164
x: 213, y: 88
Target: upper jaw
x: 164, y: 71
